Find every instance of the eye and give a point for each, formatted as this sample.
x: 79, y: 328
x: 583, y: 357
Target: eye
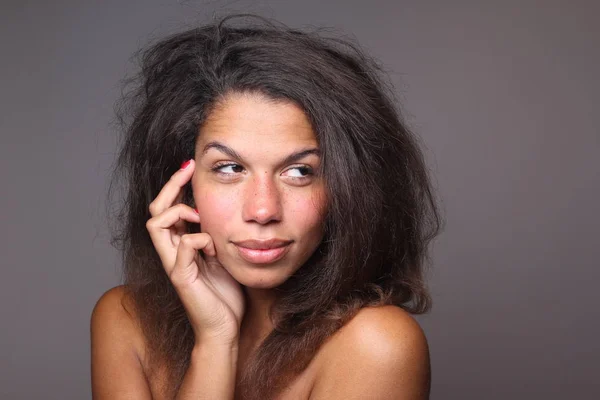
x: 299, y: 172
x: 227, y: 169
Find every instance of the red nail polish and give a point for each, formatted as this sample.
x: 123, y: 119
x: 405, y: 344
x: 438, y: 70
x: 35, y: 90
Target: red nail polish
x: 185, y: 164
x: 196, y: 211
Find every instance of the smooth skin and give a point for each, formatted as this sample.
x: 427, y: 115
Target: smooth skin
x: 382, y: 353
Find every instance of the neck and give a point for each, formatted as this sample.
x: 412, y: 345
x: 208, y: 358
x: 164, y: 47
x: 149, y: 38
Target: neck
x: 256, y: 323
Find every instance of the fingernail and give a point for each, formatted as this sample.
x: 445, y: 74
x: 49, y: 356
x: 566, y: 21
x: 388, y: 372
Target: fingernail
x: 196, y: 211
x: 185, y: 164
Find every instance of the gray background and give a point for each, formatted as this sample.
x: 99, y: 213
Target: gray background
x: 505, y: 95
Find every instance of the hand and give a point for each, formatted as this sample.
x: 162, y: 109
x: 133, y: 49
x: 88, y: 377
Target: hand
x: 213, y: 299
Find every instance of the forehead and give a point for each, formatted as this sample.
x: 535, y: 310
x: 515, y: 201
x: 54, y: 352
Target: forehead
x: 254, y: 118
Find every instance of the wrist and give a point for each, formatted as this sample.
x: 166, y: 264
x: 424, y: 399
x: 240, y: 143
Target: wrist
x: 211, y: 352
x: 218, y: 343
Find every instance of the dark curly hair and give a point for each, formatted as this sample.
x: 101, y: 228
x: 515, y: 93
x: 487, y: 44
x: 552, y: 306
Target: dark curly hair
x: 382, y: 212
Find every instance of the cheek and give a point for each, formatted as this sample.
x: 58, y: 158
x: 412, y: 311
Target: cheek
x: 308, y: 212
x: 216, y: 210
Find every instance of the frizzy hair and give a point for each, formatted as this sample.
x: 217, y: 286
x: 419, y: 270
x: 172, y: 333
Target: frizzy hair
x: 382, y: 212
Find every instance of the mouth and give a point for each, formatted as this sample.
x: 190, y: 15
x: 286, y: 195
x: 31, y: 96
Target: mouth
x: 262, y: 251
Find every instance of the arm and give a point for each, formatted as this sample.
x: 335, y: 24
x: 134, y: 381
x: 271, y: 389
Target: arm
x: 382, y: 353
x: 211, y: 374
x: 117, y: 371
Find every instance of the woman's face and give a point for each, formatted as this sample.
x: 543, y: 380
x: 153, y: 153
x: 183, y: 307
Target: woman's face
x: 256, y: 190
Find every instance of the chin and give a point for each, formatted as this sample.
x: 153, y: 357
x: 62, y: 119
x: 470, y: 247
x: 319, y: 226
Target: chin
x: 259, y: 276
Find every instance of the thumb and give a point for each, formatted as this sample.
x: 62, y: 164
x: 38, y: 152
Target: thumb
x: 209, y: 253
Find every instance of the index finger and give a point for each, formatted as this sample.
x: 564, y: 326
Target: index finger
x: 171, y: 191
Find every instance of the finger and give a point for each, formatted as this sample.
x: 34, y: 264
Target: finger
x: 171, y: 191
x: 161, y: 232
x: 180, y: 227
x: 185, y: 271
x: 209, y: 255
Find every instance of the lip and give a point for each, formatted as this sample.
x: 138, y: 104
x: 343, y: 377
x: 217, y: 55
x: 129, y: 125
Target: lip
x: 262, y: 251
x: 266, y: 244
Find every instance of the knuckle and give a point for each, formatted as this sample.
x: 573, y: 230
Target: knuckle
x: 150, y: 224
x: 186, y: 240
x: 152, y: 208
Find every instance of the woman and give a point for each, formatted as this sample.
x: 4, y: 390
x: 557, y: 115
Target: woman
x: 275, y: 226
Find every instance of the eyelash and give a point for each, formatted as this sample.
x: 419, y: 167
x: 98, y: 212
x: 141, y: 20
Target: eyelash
x: 307, y: 170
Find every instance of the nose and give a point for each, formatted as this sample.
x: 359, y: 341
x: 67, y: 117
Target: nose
x: 262, y: 201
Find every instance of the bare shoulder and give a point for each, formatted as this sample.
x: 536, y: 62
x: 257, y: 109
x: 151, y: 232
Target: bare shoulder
x: 116, y: 347
x: 114, y: 310
x: 384, y: 331
x: 114, y: 299
x: 381, y: 353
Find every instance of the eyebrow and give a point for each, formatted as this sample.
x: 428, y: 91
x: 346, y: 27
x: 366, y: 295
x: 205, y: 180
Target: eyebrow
x: 292, y: 158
